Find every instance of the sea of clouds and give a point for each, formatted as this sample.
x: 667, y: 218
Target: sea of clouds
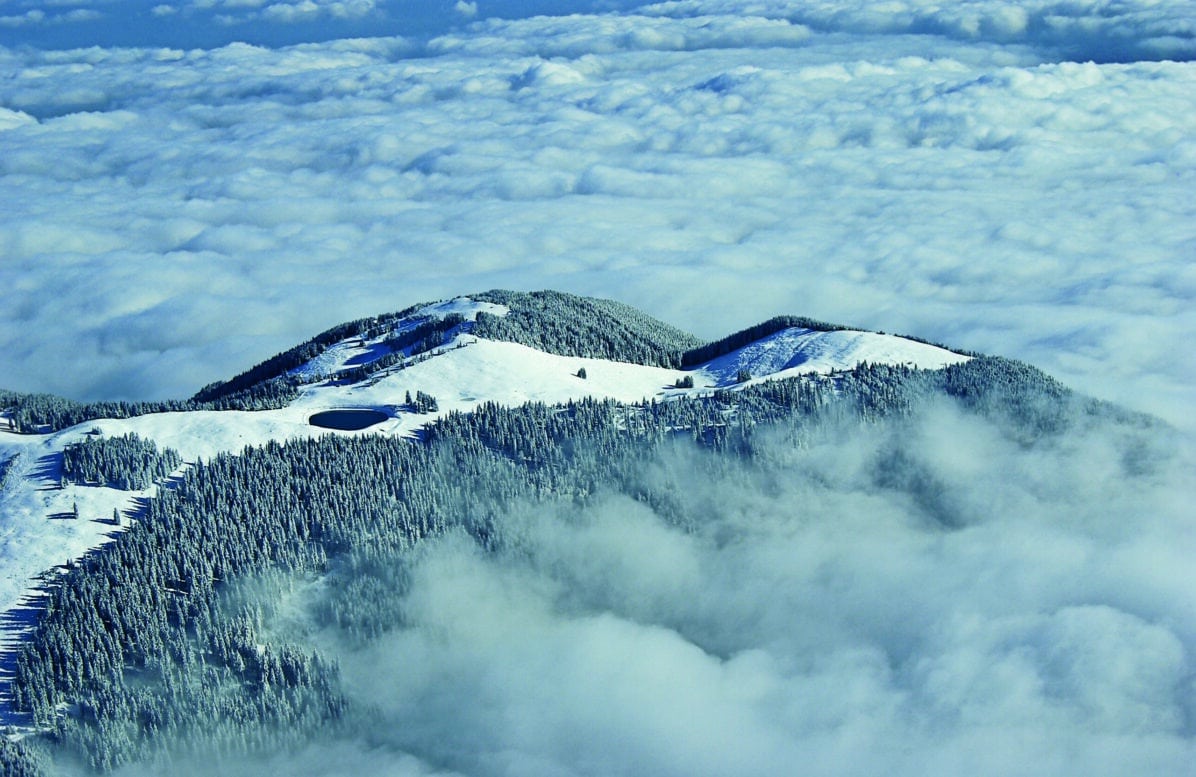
x: 188, y: 187
x: 1015, y: 178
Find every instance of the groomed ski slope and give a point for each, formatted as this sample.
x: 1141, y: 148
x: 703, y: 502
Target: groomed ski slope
x: 463, y: 374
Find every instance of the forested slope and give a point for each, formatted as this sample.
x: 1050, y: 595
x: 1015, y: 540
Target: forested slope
x: 569, y: 325
x: 165, y: 644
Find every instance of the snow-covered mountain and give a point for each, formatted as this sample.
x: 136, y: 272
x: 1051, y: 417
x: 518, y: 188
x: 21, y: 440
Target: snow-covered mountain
x: 552, y: 489
x: 463, y: 372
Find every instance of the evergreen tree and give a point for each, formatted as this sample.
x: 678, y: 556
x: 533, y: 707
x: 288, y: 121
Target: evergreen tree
x: 17, y: 761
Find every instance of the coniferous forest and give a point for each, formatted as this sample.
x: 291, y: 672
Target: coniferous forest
x: 127, y: 462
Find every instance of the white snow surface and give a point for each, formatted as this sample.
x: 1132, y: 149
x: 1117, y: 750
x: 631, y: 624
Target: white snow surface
x: 353, y: 352
x: 797, y: 351
x: 462, y: 306
x: 467, y: 372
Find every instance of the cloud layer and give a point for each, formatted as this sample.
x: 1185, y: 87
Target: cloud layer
x: 1081, y: 31
x: 814, y: 617
x: 813, y: 611
x: 169, y: 216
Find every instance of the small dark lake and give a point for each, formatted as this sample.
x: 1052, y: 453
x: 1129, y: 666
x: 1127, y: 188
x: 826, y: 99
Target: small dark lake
x: 347, y: 420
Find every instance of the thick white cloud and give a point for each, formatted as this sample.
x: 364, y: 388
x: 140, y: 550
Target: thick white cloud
x: 1083, y: 30
x: 170, y: 216
x: 712, y: 163
x: 812, y: 615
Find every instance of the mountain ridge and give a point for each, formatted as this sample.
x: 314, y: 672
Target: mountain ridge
x: 551, y: 321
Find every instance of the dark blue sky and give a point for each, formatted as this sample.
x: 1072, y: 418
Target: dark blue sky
x: 134, y: 23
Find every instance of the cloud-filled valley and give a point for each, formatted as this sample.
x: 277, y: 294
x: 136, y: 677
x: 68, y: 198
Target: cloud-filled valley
x: 812, y: 618
x: 803, y: 605
x: 170, y: 216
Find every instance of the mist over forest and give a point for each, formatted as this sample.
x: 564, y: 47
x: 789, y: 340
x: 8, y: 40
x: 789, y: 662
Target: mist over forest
x: 987, y: 608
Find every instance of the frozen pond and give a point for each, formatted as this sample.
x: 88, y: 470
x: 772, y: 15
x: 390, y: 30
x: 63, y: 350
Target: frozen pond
x: 347, y: 420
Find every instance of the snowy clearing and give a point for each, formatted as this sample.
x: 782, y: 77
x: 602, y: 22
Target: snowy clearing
x: 795, y: 351
x: 356, y: 351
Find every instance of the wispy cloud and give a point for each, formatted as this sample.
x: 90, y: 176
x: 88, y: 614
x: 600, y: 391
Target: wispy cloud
x: 285, y: 11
